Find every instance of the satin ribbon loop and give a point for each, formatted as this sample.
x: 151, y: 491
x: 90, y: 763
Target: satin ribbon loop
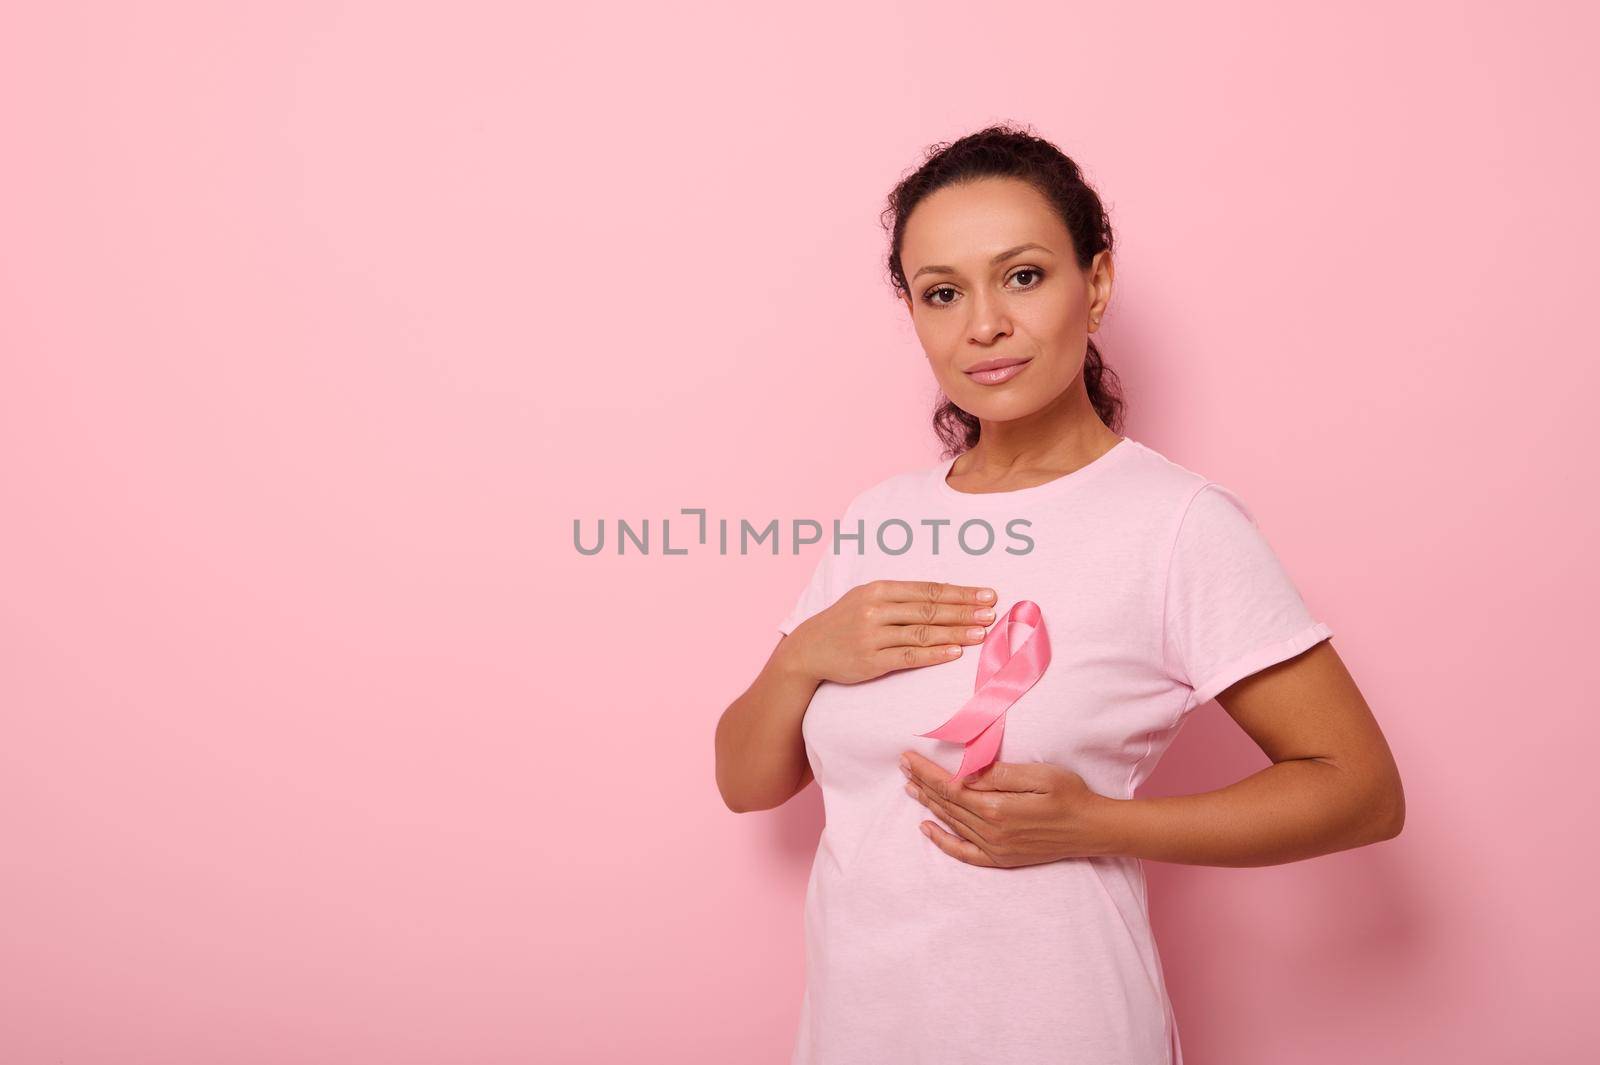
x: 1003, y: 675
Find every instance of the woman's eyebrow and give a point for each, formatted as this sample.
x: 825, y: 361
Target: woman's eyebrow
x: 998, y: 259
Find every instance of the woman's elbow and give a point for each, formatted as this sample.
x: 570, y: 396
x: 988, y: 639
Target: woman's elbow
x: 736, y: 798
x: 754, y: 793
x: 749, y: 801
x: 1389, y: 810
x: 743, y: 807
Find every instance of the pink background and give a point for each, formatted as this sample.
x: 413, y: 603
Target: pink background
x: 322, y: 322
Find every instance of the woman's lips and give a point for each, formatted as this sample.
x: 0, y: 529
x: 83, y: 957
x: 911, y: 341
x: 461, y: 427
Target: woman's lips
x: 1003, y: 370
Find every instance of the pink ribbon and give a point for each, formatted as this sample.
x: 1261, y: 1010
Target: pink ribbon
x: 1003, y: 675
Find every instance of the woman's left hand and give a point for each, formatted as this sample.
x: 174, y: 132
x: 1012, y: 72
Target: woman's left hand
x: 1010, y: 813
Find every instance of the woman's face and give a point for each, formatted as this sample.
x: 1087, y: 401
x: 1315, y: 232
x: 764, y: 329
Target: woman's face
x: 992, y: 278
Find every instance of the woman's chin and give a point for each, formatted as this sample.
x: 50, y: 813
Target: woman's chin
x: 1001, y: 408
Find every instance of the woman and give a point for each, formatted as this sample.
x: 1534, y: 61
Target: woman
x: 999, y: 915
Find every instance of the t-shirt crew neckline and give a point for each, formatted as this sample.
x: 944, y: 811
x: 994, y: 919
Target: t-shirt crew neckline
x: 1054, y: 486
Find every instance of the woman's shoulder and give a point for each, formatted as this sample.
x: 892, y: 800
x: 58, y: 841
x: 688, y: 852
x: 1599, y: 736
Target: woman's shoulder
x: 1161, y: 473
x: 1183, y: 489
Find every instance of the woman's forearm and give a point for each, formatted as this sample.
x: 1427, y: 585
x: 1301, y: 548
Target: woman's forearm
x: 1294, y: 809
x: 761, y: 755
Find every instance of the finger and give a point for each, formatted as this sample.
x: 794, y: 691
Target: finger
x: 928, y: 612
x: 930, y: 635
x: 942, y: 785
x: 889, y: 659
x: 1010, y: 776
x: 955, y: 846
x: 935, y: 592
x: 968, y: 824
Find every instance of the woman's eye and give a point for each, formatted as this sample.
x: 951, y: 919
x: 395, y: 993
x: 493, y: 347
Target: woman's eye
x: 933, y: 295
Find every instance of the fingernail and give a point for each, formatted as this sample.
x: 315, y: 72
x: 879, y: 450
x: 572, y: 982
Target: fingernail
x: 985, y: 595
x: 911, y: 791
x: 974, y: 634
x: 905, y: 764
x: 985, y: 614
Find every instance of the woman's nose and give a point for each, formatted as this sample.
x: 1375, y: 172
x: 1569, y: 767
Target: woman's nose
x: 989, y: 319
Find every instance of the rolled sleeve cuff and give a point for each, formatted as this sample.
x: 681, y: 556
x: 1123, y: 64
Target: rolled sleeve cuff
x: 1257, y: 660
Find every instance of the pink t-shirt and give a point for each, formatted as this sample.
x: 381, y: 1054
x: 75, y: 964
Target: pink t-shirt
x: 1158, y: 591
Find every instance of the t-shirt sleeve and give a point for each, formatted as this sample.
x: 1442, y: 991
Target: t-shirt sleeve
x: 829, y: 577
x: 1231, y: 608
x: 816, y: 595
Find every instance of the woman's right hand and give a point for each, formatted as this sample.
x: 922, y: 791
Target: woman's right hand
x: 881, y: 626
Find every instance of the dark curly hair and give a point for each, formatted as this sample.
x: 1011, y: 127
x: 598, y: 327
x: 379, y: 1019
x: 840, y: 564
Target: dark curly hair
x: 1007, y: 151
